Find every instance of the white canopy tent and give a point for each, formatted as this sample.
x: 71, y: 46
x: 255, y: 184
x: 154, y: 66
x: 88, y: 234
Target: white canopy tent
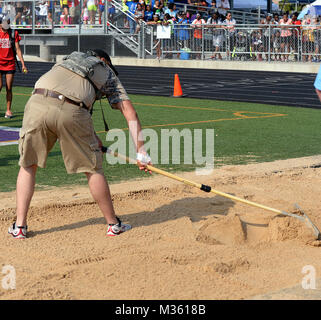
x: 316, y: 3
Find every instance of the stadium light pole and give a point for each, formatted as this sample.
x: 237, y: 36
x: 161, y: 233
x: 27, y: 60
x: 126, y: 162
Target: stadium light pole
x: 269, y: 6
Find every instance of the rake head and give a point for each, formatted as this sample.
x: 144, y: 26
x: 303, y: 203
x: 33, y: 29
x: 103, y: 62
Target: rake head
x: 308, y: 222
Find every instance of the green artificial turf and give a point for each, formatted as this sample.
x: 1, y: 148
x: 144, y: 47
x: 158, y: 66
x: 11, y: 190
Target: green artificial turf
x: 244, y: 132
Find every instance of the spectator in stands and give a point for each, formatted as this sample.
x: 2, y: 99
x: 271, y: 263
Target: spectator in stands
x: 257, y: 44
x: 307, y: 39
x: 202, y: 6
x: 317, y: 39
x: 276, y: 19
x: 50, y: 10
x: 167, y: 43
x: 26, y: 15
x: 171, y: 10
x: 223, y: 6
x: 43, y: 12
x: 286, y: 35
x: 18, y: 17
x: 9, y: 48
x: 229, y: 24
x: 154, y: 23
x: 189, y: 16
x: 148, y: 14
x: 182, y: 30
x: 139, y: 16
x: 111, y: 11
x: 198, y: 25
x: 73, y: 11
x: 101, y: 10
x: 158, y: 9
x: 143, y: 3
x: 85, y: 14
x: 295, y: 34
x: 65, y: 11
x: 267, y: 33
x: 92, y: 9
x: 212, y: 6
x: 277, y: 45
x: 215, y: 23
x: 314, y: 28
x: 132, y: 8
x: 9, y: 8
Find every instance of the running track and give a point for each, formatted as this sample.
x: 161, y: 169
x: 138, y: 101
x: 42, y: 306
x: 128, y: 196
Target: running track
x: 277, y: 88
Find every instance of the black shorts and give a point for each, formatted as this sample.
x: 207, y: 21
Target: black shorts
x: 7, y: 72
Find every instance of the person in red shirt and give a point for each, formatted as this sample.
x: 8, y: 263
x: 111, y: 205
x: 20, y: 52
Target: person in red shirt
x: 7, y: 58
x: 295, y: 34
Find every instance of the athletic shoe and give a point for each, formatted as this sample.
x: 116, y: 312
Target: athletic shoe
x: 18, y: 232
x: 7, y: 116
x: 117, y: 228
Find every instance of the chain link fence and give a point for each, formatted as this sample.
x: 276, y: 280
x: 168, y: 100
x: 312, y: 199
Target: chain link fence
x: 242, y: 43
x: 49, y: 31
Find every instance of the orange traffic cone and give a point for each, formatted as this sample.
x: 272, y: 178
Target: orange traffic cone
x: 177, y: 87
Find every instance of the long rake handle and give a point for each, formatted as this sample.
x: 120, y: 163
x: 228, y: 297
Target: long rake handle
x: 206, y: 188
x: 202, y: 186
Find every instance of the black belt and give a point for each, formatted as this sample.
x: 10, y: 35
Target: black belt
x: 57, y: 95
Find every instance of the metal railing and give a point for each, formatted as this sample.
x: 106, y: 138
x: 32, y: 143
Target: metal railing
x: 243, y: 43
x: 241, y: 16
x: 246, y: 42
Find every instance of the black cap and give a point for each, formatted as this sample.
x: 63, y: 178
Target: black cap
x: 103, y: 54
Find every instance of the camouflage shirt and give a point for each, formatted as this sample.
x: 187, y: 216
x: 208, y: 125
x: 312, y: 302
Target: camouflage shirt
x: 84, y: 79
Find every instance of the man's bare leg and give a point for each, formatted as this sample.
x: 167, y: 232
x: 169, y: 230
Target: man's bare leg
x: 100, y: 191
x: 25, y: 188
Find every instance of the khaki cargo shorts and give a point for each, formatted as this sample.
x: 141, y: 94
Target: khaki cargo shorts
x: 47, y: 120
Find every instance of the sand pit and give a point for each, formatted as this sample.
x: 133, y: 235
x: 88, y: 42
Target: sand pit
x: 185, y: 244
